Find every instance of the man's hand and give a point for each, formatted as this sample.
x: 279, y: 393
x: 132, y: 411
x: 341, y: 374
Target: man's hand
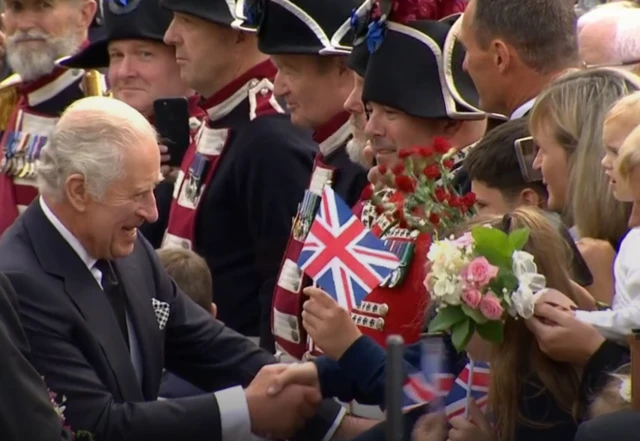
x: 477, y: 429
x: 563, y: 337
x: 305, y: 374
x: 328, y: 324
x: 430, y: 427
x: 279, y: 416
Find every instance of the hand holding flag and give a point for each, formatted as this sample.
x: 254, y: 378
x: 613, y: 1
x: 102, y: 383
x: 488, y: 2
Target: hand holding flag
x: 342, y: 256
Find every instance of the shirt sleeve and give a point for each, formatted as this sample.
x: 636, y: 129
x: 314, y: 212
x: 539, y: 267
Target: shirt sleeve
x: 624, y: 318
x: 234, y: 415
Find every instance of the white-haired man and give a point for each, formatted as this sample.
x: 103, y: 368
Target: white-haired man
x: 610, y: 36
x: 33, y: 98
x: 103, y: 317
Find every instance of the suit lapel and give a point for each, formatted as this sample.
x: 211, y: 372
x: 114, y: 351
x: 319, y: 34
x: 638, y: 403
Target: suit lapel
x: 146, y: 325
x: 59, y: 259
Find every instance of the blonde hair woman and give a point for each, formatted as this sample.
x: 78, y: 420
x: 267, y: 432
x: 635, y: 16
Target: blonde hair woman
x: 567, y: 123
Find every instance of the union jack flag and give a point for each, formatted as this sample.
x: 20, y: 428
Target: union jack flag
x: 436, y: 383
x: 432, y: 381
x: 342, y: 256
x: 475, y: 375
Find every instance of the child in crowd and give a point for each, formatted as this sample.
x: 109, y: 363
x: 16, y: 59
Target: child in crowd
x: 191, y: 274
x: 621, y: 165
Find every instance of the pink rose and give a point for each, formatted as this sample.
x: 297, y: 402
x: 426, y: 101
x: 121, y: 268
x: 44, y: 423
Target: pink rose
x: 471, y: 297
x: 490, y: 307
x: 479, y: 272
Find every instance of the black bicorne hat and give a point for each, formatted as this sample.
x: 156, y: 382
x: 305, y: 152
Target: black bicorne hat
x: 417, y: 68
x: 221, y: 12
x: 314, y: 27
x: 122, y: 20
x: 248, y: 15
x: 373, y: 11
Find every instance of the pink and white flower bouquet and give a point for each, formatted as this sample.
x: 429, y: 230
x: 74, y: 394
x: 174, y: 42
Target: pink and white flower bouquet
x: 477, y: 279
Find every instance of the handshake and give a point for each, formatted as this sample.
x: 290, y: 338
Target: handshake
x: 281, y: 398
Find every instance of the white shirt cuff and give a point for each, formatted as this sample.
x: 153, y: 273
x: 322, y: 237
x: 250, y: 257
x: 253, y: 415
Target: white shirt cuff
x: 234, y: 415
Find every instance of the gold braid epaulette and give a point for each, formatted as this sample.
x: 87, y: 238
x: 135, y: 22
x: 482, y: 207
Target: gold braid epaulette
x: 8, y: 101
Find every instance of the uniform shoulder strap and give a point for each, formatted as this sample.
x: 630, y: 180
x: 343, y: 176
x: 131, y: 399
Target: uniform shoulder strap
x: 262, y: 101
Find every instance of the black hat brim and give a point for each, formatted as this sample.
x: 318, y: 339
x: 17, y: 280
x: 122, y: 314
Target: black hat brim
x: 94, y: 56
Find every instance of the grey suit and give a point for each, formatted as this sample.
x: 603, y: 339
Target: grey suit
x: 26, y: 412
x: 71, y: 328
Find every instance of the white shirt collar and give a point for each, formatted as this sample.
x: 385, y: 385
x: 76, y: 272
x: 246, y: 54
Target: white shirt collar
x: 522, y: 110
x: 66, y: 234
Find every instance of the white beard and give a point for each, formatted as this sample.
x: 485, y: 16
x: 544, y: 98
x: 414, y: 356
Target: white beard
x: 31, y: 65
x: 355, y: 150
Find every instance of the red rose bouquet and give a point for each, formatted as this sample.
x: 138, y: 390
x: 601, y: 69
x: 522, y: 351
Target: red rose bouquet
x: 422, y: 195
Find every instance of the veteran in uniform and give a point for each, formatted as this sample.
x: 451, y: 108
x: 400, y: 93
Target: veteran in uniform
x: 32, y: 99
x: 314, y: 79
x: 141, y: 68
x: 432, y: 96
x: 240, y: 182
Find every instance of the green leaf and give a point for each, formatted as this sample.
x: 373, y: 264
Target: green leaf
x: 491, y: 331
x: 446, y: 319
x: 494, y: 245
x: 461, y: 334
x: 518, y: 238
x: 474, y: 314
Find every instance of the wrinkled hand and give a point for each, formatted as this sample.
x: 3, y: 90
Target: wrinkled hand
x: 556, y: 299
x: 599, y: 256
x: 305, y: 374
x: 430, y: 427
x: 562, y: 336
x: 279, y: 416
x: 478, y: 428
x: 329, y: 325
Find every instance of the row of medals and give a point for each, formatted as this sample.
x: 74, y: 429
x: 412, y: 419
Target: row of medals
x: 21, y: 154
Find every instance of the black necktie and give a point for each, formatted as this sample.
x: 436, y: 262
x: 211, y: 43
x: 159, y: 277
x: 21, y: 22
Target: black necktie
x: 115, y: 294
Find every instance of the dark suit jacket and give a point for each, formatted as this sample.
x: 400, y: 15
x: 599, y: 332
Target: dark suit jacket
x: 70, y: 326
x: 618, y: 426
x: 26, y: 412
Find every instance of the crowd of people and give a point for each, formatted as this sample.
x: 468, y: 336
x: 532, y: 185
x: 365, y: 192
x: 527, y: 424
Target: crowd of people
x: 152, y: 293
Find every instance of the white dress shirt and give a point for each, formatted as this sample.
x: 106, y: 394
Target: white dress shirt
x: 624, y: 315
x: 232, y: 402
x: 522, y: 110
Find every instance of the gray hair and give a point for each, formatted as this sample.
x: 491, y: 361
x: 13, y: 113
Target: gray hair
x: 91, y: 139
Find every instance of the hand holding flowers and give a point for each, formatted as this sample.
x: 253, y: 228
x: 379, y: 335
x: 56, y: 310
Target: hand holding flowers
x: 477, y: 278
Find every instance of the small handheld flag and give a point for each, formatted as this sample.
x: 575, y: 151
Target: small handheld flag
x: 342, y: 256
x: 473, y: 382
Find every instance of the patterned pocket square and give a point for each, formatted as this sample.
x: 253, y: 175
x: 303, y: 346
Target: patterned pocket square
x: 162, y: 312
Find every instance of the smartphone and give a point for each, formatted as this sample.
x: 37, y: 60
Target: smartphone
x: 172, y: 124
x: 526, y: 150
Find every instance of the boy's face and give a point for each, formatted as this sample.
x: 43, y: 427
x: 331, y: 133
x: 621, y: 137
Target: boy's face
x: 490, y: 200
